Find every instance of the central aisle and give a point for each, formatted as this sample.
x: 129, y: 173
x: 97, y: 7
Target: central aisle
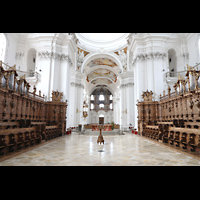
x: 82, y: 150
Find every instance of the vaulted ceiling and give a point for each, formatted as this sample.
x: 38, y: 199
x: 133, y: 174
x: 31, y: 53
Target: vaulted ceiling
x: 95, y: 42
x: 101, y: 70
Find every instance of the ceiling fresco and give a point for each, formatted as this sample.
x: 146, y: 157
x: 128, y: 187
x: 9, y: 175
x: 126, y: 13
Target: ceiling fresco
x: 102, y: 61
x: 100, y: 72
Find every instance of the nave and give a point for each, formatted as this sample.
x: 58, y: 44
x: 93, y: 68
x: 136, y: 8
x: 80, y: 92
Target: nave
x: 118, y: 150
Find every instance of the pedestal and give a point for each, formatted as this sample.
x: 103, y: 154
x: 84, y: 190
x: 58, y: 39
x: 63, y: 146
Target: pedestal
x: 100, y: 138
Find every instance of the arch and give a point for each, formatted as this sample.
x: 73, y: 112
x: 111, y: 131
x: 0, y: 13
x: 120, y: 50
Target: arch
x: 102, y: 78
x: 93, y: 56
x: 3, y: 43
x: 31, y: 59
x: 94, y: 88
x: 172, y: 60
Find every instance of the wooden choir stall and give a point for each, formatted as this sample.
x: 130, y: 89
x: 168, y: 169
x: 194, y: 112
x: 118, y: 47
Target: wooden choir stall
x: 175, y: 119
x: 25, y: 118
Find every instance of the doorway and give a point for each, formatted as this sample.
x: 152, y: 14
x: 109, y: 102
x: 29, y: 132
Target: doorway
x: 31, y: 59
x: 101, y: 120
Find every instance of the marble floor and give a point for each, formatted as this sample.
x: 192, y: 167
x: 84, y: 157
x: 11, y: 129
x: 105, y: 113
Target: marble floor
x: 118, y: 150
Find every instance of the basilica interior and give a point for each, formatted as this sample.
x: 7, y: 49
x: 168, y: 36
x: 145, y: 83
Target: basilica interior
x: 139, y: 92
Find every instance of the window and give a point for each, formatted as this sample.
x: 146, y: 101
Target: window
x: 101, y: 105
x: 92, y: 97
x: 110, y: 97
x: 101, y: 97
x: 172, y: 62
x: 92, y: 106
x: 111, y: 106
x: 2, y: 46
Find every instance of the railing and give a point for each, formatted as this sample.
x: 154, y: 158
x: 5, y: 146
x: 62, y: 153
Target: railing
x: 20, y: 73
x: 175, y: 74
x: 182, y: 73
x: 29, y: 74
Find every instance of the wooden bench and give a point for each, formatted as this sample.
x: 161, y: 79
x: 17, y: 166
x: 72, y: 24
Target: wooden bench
x: 188, y: 137
x: 50, y: 132
x: 14, y: 139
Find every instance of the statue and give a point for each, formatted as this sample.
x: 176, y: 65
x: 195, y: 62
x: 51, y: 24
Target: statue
x: 80, y: 57
x: 57, y: 96
x: 147, y: 96
x: 123, y: 58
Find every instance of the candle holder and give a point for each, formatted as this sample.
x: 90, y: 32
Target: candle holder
x: 100, y: 137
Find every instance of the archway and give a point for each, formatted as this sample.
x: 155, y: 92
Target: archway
x: 31, y: 59
x: 172, y: 62
x: 101, y: 119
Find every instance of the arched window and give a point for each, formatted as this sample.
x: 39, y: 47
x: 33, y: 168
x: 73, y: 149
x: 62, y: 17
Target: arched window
x: 101, y: 105
x: 92, y: 106
x: 172, y: 62
x: 31, y: 58
x: 2, y: 46
x: 101, y: 97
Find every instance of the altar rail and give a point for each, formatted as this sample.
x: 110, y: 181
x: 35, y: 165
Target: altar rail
x: 25, y: 118
x: 175, y: 119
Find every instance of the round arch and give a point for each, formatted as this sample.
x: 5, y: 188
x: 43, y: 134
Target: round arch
x: 31, y: 58
x: 94, y: 88
x: 172, y: 60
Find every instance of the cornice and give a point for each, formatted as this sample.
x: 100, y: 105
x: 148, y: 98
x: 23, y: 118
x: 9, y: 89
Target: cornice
x: 56, y: 56
x: 148, y: 56
x: 130, y: 84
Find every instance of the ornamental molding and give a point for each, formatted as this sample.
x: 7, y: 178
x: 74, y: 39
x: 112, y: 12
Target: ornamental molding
x: 77, y: 85
x: 148, y: 56
x: 126, y: 85
x: 185, y: 55
x: 56, y: 56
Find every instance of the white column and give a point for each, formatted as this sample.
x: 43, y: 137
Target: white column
x: 72, y: 105
x: 126, y: 100
x: 139, y: 86
x: 158, y: 77
x: 43, y: 68
x: 130, y: 103
x: 150, y: 74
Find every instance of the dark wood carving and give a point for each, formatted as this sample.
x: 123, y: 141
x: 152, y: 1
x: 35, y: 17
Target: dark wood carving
x: 25, y: 118
x: 175, y: 119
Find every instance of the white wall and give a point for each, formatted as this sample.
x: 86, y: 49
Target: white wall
x: 11, y: 48
x: 193, y: 48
